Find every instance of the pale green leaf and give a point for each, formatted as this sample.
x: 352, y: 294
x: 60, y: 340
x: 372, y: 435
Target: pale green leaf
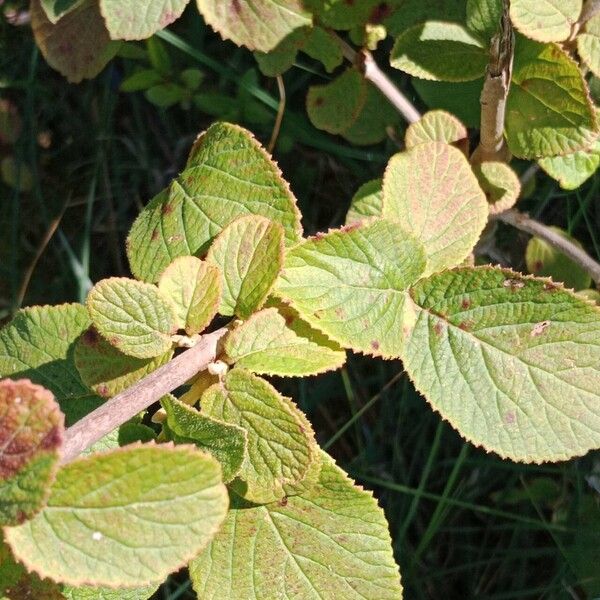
x: 141, y: 80
x: 132, y: 316
x: 413, y: 12
x: 228, y: 175
x: 226, y: 442
x: 89, y: 593
x: 500, y: 184
x: 194, y: 287
x: 588, y: 44
x: 31, y: 437
x: 483, y: 17
x: 107, y: 370
x: 549, y: 111
x: 351, y: 283
x: 38, y: 344
x: 440, y: 51
x: 128, y: 517
x: 139, y: 19
x: 432, y: 191
x: 249, y: 257
x: 55, y: 9
x: 264, y: 344
x: 324, y: 47
x: 435, y: 126
x: 257, y: 24
x: 366, y: 203
x: 545, y: 20
x: 571, y: 170
x: 510, y: 361
x: 281, y: 444
x: 328, y: 544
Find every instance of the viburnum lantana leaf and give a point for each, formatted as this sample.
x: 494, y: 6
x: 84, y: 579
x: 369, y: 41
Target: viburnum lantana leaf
x: 256, y: 24
x: 331, y: 542
x: 366, y: 203
x: 133, y: 316
x: 30, y: 440
x: 500, y: 184
x: 89, y: 593
x: 483, y: 17
x: 545, y: 20
x: 341, y: 14
x: 571, y: 170
x: 414, y: 12
x: 588, y: 44
x: 545, y: 261
x: 228, y: 175
x: 432, y: 191
x: 440, y: 51
x: 74, y: 55
x: 194, y: 288
x: 127, y: 517
x: 351, y: 283
x: 249, y: 257
x: 226, y: 442
x: 55, y: 9
x: 281, y: 444
x: 38, y: 345
x: 510, y: 361
x: 265, y: 344
x: 107, y: 370
x: 139, y: 19
x: 549, y: 111
x: 435, y: 126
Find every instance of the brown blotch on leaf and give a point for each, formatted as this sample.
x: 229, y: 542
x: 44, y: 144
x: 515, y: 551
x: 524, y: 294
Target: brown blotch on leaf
x: 154, y: 235
x: 381, y: 12
x: 539, y: 328
x: 319, y: 101
x: 90, y: 337
x: 283, y: 501
x: 537, y: 266
x: 438, y: 328
x: 102, y: 390
x: 167, y: 209
x: 466, y: 303
x: 375, y: 345
x: 510, y: 418
x: 466, y: 325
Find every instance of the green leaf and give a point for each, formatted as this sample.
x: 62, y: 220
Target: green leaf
x: 332, y: 542
x: 545, y: 20
x: 545, y: 261
x: 31, y: 437
x: 128, y: 517
x: 133, y: 316
x: 55, y: 9
x: 249, y: 256
x: 571, y: 170
x: 194, y: 288
x: 350, y: 283
x: 228, y: 175
x: 500, y: 184
x: 139, y: 19
x: 324, y: 47
x: 549, y: 111
x: 510, y: 361
x: 159, y: 57
x: 141, y: 80
x: 72, y: 54
x: 439, y: 51
x: 413, y: 12
x: 435, y: 126
x: 432, y: 191
x: 226, y: 442
x: 366, y: 203
x: 282, y: 57
x: 588, y: 45
x: 341, y: 14
x: 483, y: 17
x: 165, y: 94
x: 265, y: 344
x: 89, y: 593
x: 257, y: 24
x: 281, y: 444
x: 109, y: 371
x: 38, y: 344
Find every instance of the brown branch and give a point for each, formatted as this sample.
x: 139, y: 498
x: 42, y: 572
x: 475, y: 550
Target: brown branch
x: 590, y: 9
x: 150, y: 389
x: 279, y: 117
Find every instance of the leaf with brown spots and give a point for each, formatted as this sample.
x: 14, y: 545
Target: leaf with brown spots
x: 31, y: 435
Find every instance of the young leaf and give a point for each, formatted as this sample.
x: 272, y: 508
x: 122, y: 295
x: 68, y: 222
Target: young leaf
x: 194, y: 287
x: 199, y: 384
x: 228, y: 175
x: 141, y: 80
x: 588, y: 44
x: 351, y: 283
x: 257, y: 24
x: 433, y: 192
x: 332, y: 542
x: 55, y: 9
x: 545, y: 20
x: 133, y: 316
x: 107, y: 370
x: 38, y: 344
x: 265, y: 344
x: 249, y: 257
x: 281, y: 444
x: 549, y: 111
x: 510, y: 361
x: 435, y: 126
x: 74, y: 55
x: 125, y: 518
x: 367, y: 202
x: 226, y: 442
x: 571, y: 170
x: 500, y: 184
x: 439, y: 51
x: 30, y: 440
x: 139, y: 19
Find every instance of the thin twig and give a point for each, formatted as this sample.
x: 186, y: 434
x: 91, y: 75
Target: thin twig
x: 279, y: 117
x: 140, y: 396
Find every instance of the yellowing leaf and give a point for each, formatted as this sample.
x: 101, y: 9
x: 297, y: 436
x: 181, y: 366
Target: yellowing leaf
x: 435, y: 126
x: 366, y: 203
x: 571, y: 170
x: 588, y: 44
x: 249, y: 257
x: 545, y: 20
x: 500, y: 184
x: 127, y: 517
x: 432, y: 191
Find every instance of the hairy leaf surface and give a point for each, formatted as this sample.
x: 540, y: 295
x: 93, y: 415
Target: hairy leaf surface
x: 588, y: 44
x: 366, y: 203
x: 545, y: 20
x: 571, y: 170
x: 435, y: 126
x: 500, y: 184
